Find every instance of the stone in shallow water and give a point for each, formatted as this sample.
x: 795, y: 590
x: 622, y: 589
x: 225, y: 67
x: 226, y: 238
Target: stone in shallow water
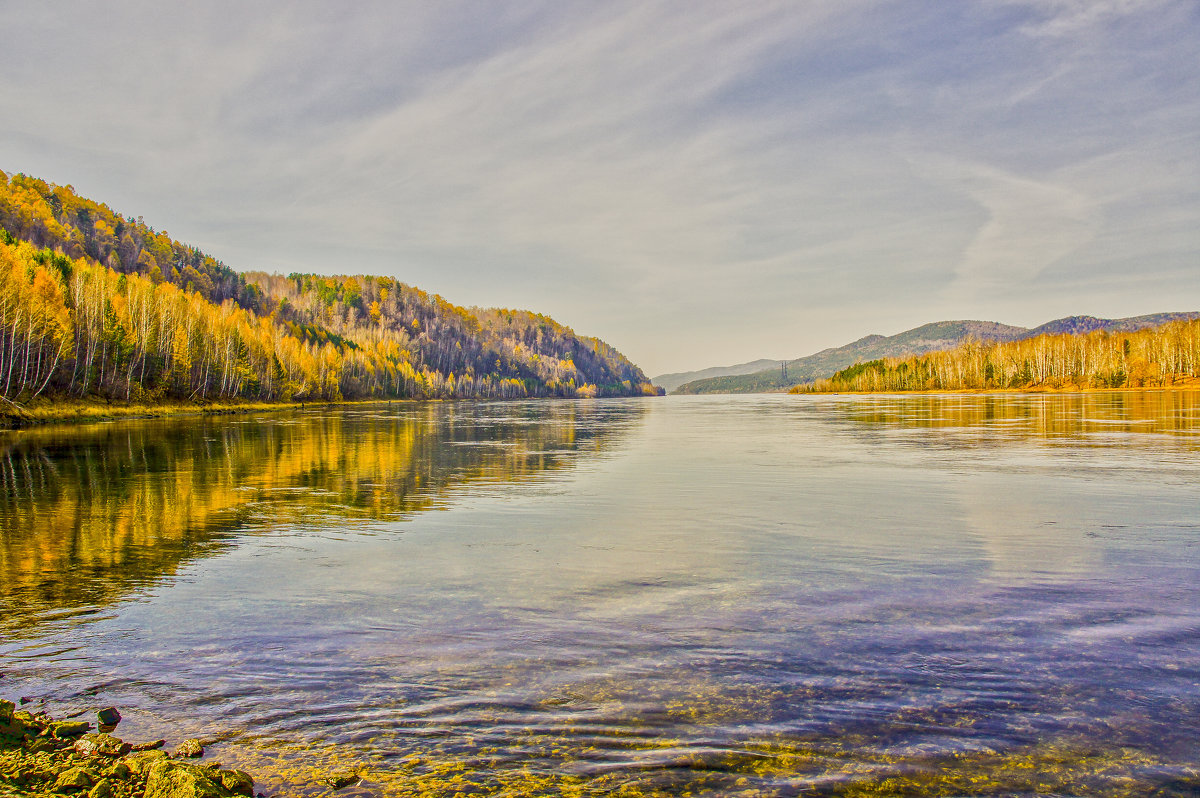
x: 191, y: 748
x: 342, y: 778
x: 109, y: 716
x: 237, y: 782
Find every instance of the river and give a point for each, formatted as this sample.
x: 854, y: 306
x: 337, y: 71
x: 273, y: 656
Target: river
x: 729, y: 595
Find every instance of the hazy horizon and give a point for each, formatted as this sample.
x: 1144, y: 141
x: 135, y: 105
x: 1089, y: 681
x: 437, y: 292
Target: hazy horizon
x: 698, y: 185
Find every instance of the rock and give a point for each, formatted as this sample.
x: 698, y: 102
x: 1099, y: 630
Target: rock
x: 149, y: 746
x: 108, y: 716
x: 237, y: 782
x: 190, y: 748
x: 30, y: 720
x: 120, y: 771
x: 41, y: 745
x: 103, y: 789
x: 6, y: 710
x: 142, y: 762
x: 169, y: 779
x: 101, y: 745
x: 12, y: 727
x: 26, y: 700
x: 342, y: 778
x: 69, y: 728
x: 73, y: 779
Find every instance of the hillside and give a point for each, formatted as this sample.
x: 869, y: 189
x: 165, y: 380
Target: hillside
x: 1116, y: 355
x: 93, y: 304
x: 927, y: 338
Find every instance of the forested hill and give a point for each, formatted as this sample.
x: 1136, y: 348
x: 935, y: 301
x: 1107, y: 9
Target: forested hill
x: 96, y: 304
x: 934, y: 337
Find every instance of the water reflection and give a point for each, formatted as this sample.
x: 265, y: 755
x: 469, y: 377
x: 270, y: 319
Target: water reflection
x: 1027, y: 538
x: 1021, y: 416
x: 90, y: 514
x: 743, y: 595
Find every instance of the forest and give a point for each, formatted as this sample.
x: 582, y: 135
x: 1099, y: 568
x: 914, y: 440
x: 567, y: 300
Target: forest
x: 1161, y: 356
x: 96, y: 305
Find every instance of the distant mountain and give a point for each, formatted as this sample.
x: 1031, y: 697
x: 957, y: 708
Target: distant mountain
x: 672, y: 381
x: 917, y: 341
x: 1087, y: 324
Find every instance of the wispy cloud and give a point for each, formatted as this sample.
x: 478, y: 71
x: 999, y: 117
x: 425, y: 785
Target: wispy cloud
x: 1027, y: 225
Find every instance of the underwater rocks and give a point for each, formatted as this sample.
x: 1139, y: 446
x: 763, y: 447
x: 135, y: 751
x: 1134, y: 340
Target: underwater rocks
x: 43, y: 756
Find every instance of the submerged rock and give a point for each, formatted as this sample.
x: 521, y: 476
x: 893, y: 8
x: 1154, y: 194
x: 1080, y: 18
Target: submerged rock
x: 343, y: 778
x: 108, y: 716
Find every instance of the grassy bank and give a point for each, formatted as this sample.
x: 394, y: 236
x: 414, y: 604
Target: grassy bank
x: 50, y: 411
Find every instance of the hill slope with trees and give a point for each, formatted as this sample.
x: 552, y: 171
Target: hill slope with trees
x: 1154, y: 357
x: 938, y: 336
x: 93, y: 304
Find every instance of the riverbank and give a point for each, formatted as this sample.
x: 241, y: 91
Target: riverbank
x: 56, y: 411
x: 42, y: 756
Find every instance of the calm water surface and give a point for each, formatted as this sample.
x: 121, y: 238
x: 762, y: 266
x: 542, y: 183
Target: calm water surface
x: 767, y: 595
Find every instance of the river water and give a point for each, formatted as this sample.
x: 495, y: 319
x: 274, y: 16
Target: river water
x: 756, y: 595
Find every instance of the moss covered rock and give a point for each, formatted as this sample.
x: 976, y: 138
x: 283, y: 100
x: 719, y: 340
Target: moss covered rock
x: 101, y: 745
x: 190, y: 748
x: 169, y: 779
x: 74, y: 779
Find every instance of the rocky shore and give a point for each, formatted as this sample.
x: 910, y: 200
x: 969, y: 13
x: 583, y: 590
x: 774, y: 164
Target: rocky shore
x: 43, y: 756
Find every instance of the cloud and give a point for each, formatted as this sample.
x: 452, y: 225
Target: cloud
x: 1027, y: 226
x: 696, y: 185
x: 1057, y: 18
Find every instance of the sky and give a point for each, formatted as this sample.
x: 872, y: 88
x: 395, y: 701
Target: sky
x: 697, y: 182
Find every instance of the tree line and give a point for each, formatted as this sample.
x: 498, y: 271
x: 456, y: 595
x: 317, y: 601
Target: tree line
x: 96, y: 305
x: 1155, y: 357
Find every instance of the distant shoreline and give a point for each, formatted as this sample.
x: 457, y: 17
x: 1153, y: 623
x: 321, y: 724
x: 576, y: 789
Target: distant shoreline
x: 1190, y: 384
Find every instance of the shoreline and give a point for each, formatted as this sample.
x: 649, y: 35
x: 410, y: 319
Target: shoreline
x: 85, y: 412
x: 40, y: 755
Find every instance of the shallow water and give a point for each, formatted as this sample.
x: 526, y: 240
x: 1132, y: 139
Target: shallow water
x: 766, y: 595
